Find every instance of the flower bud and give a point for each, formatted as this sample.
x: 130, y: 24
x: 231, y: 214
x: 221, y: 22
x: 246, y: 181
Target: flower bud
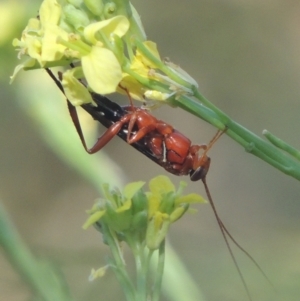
x: 167, y: 202
x: 75, y: 17
x: 109, y: 10
x: 94, y: 6
x: 93, y: 219
x: 139, y: 222
x: 118, y: 219
x: 178, y: 212
x: 139, y: 202
x: 76, y: 3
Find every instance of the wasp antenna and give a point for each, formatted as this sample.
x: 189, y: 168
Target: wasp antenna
x: 248, y: 255
x: 243, y: 250
x: 224, y: 232
x: 71, y: 108
x: 214, y: 140
x: 57, y: 82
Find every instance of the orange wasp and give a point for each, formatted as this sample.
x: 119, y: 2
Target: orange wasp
x: 160, y: 142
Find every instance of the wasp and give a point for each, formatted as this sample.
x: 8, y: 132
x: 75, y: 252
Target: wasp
x: 161, y: 143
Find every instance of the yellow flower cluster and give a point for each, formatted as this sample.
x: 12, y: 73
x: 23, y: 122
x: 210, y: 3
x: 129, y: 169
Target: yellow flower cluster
x: 143, y: 217
x: 107, y: 50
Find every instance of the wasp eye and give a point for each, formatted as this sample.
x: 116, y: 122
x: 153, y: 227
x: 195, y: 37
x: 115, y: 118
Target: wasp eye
x: 198, y: 174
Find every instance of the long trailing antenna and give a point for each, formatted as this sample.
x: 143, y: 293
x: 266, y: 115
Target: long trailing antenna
x: 225, y: 232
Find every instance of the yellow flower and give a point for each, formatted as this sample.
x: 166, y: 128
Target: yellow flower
x: 163, y: 196
x: 166, y: 205
x: 38, y: 39
x: 100, y: 66
x: 141, y: 57
x: 102, y: 70
x: 75, y: 91
x: 116, y: 208
x: 140, y: 72
x: 112, y: 53
x: 64, y: 34
x: 145, y: 217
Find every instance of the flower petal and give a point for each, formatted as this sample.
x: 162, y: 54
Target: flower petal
x: 117, y: 25
x: 160, y: 185
x: 135, y: 89
x: 93, y: 219
x: 178, y: 212
x: 75, y: 91
x: 138, y: 67
x: 102, y: 70
x: 51, y: 50
x: 131, y: 189
x: 191, y: 198
x: 50, y: 12
x: 34, y: 48
x: 153, y: 203
x: 29, y: 63
x: 124, y: 207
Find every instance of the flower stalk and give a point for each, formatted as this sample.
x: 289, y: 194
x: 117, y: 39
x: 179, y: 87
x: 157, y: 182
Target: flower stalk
x: 140, y: 220
x: 42, y: 276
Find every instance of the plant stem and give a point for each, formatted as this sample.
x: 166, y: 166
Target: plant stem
x: 159, y: 272
x: 141, y: 274
x: 118, y: 265
x: 250, y: 141
x: 282, y: 145
x: 45, y: 281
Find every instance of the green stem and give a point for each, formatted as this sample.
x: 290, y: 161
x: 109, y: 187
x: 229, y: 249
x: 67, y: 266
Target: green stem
x: 142, y: 267
x: 281, y: 144
x: 159, y: 272
x: 79, y: 45
x: 118, y: 264
x: 45, y: 281
x: 141, y: 274
x: 251, y: 142
x: 149, y: 267
x: 198, y: 110
x: 209, y: 105
x: 136, y: 28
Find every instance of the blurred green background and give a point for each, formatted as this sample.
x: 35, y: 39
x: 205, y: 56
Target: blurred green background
x: 245, y: 56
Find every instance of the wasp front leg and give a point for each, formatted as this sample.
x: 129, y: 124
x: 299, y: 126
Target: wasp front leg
x: 143, y: 121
